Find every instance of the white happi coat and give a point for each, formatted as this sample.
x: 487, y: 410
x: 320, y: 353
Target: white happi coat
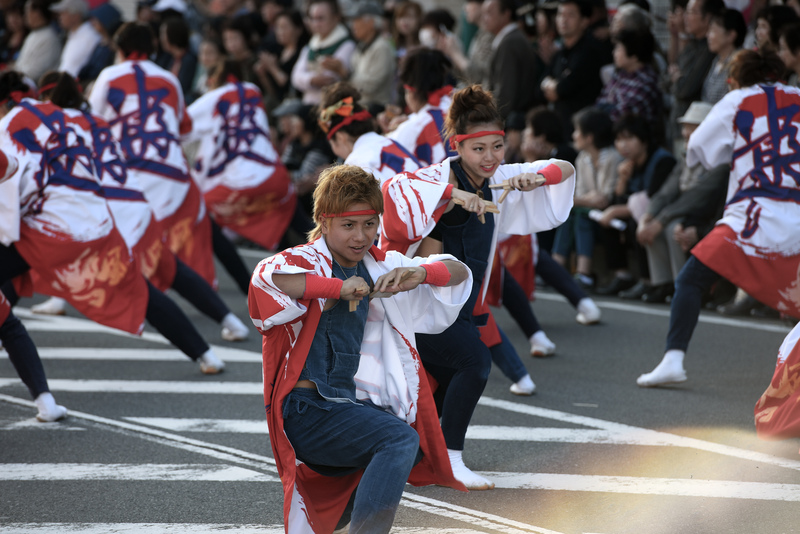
x: 381, y: 157
x: 125, y: 93
x: 73, y: 208
x: 422, y: 133
x: 756, y: 130
x: 235, y: 147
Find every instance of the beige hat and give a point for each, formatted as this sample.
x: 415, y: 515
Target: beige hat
x: 71, y: 6
x: 696, y: 113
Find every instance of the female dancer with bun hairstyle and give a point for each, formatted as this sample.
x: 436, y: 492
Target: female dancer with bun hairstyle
x: 443, y: 209
x: 353, y: 136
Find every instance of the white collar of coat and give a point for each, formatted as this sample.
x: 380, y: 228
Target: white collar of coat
x: 338, y: 33
x: 508, y: 28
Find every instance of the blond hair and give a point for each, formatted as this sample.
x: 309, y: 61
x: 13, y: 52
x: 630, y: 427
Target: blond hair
x: 338, y: 188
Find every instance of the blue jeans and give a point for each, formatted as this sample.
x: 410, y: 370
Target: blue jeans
x: 578, y: 231
x: 336, y: 438
x: 693, y: 280
x: 506, y: 358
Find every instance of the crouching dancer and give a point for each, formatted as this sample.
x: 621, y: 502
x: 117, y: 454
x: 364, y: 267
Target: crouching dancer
x: 348, y: 403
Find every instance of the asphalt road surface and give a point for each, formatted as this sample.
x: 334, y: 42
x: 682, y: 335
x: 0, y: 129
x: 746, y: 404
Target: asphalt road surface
x: 153, y: 446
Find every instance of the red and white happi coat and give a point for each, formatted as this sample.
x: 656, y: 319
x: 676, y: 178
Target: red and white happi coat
x: 144, y: 107
x: 756, y: 244
x: 54, y: 210
x: 382, y: 157
x: 244, y: 183
x: 390, y: 373
x: 777, y: 412
x: 422, y: 133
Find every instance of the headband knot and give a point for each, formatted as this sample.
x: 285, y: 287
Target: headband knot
x: 343, y: 108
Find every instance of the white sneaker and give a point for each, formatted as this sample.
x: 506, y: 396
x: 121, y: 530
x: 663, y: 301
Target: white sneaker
x: 541, y: 346
x: 588, y: 312
x: 49, y: 411
x: 233, y: 329
x: 524, y: 386
x: 210, y: 364
x: 52, y: 306
x: 669, y: 371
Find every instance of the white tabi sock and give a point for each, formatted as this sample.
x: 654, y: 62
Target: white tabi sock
x: 669, y: 371
x: 233, y: 329
x: 210, y: 364
x: 473, y: 481
x: 49, y: 411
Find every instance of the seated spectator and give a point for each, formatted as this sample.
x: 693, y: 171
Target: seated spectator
x: 274, y: 66
x: 770, y: 21
x: 329, y: 40
x: 642, y: 173
x: 726, y: 35
x: 105, y: 19
x: 595, y: 178
x: 177, y: 55
x: 633, y: 88
x: 210, y: 53
x: 546, y: 34
x: 790, y: 52
x: 543, y: 138
x: 665, y: 256
x: 42, y: 47
x: 12, y: 37
x: 81, y: 35
x: 269, y: 11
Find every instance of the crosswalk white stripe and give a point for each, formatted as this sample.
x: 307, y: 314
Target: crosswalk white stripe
x: 182, y: 528
x: 728, y: 489
x: 654, y: 436
x: 661, y: 312
x: 148, y: 386
x: 84, y: 353
x: 159, y: 472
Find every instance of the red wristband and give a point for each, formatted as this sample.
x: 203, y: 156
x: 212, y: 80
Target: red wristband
x: 319, y: 287
x: 437, y: 273
x: 552, y: 174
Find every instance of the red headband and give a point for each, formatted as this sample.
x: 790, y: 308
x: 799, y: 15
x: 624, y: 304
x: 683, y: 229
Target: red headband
x: 363, y: 115
x: 230, y: 78
x: 47, y: 87
x: 136, y: 56
x: 16, y: 96
x: 348, y: 214
x: 463, y: 137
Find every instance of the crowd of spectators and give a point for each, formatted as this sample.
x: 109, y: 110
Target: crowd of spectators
x: 574, y: 79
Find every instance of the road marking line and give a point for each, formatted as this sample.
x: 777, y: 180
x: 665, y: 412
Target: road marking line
x: 160, y: 472
x: 83, y: 353
x: 182, y: 528
x: 266, y: 463
x: 727, y: 489
x: 149, y: 386
x: 226, y: 426
x: 652, y: 436
x: 709, y: 318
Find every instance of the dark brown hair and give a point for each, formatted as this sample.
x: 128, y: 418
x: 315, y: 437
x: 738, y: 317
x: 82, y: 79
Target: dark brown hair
x: 750, y: 67
x: 65, y: 91
x: 471, y: 105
